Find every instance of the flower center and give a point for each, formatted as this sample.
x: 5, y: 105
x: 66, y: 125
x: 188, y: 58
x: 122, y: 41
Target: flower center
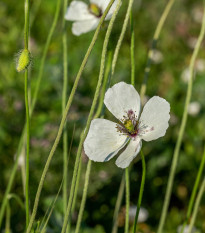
x: 95, y: 10
x: 129, y: 125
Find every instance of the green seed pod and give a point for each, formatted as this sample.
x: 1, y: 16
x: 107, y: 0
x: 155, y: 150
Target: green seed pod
x: 23, y: 60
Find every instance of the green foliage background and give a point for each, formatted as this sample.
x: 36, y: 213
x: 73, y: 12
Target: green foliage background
x: 164, y: 80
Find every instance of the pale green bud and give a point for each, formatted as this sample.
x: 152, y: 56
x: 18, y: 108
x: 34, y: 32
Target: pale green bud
x: 23, y: 60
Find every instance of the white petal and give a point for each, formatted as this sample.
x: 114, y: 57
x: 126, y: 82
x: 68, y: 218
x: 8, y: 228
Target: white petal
x: 155, y: 116
x: 78, y: 11
x: 121, y: 98
x: 129, y: 153
x: 81, y: 27
x: 103, y: 141
x: 102, y: 4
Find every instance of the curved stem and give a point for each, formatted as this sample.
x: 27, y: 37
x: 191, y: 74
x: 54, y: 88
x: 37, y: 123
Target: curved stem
x: 154, y: 43
x: 132, y: 50
x: 119, y: 43
x: 181, y: 131
x: 193, y: 194
x: 196, y: 207
x: 118, y: 204
x: 82, y: 206
x: 141, y: 191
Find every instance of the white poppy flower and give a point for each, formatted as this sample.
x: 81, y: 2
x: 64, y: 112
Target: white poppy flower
x: 86, y: 17
x: 106, y: 138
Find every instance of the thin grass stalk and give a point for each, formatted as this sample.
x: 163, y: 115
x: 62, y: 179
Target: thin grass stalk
x: 193, y: 194
x: 127, y: 185
x: 8, y: 219
x: 64, y: 98
x: 104, y: 85
x: 181, y: 131
x: 196, y: 206
x: 82, y: 206
x: 75, y: 195
x: 118, y: 204
x: 153, y: 46
x: 26, y: 39
x: 132, y: 49
x: 141, y: 191
x: 36, y: 91
x: 121, y: 37
x: 83, y: 136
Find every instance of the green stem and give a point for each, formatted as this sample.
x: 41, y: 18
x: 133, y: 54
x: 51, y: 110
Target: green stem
x: 64, y: 98
x: 196, y: 206
x: 132, y: 50
x: 119, y: 43
x: 82, y: 206
x: 193, y: 194
x: 36, y: 91
x: 154, y: 43
x: 83, y: 136
x: 27, y: 147
x: 141, y: 191
x: 127, y: 185
x: 26, y: 38
x: 118, y: 204
x: 8, y: 219
x: 181, y: 131
x: 104, y: 85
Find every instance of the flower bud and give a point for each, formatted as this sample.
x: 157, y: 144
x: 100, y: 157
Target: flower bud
x: 23, y: 60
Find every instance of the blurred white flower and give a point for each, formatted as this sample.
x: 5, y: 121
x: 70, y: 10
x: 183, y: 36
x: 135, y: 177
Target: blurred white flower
x: 186, y: 229
x: 157, y: 56
x: 106, y: 138
x: 192, y: 42
x: 197, y: 14
x: 185, y: 76
x: 143, y: 214
x: 194, y: 108
x: 200, y: 65
x: 86, y: 17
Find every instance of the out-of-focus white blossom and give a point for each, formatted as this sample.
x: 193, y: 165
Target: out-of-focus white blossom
x: 194, y: 108
x: 197, y: 14
x: 157, y: 56
x: 143, y: 214
x: 87, y: 17
x: 186, y: 229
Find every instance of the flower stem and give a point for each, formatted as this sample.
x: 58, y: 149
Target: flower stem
x: 196, y: 206
x: 181, y: 131
x: 83, y: 135
x: 119, y: 43
x: 35, y: 95
x: 193, y: 194
x: 132, y: 50
x: 26, y: 38
x: 127, y: 185
x: 82, y: 206
x: 141, y: 191
x: 154, y: 43
x: 64, y: 98
x: 118, y: 204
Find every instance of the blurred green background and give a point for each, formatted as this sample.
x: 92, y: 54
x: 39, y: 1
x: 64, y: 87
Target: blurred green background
x: 167, y: 79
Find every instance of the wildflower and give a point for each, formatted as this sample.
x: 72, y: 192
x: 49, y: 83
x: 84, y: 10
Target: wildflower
x: 157, y: 56
x: 105, y: 138
x: 86, y: 17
